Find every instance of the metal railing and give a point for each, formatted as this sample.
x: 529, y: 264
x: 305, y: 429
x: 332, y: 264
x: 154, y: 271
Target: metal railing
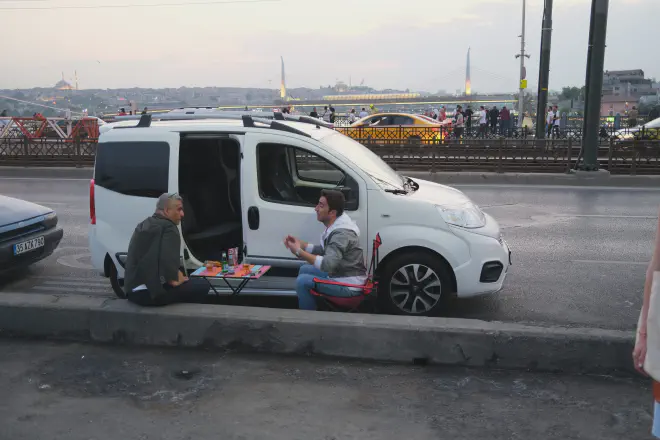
x: 484, y: 155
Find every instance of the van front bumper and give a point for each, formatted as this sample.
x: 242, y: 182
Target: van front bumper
x: 489, y: 263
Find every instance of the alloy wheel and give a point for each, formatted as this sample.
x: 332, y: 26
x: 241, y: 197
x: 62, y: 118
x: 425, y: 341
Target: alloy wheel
x: 415, y: 289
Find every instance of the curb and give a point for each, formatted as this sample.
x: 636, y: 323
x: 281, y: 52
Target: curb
x: 601, y: 178
x: 440, y: 341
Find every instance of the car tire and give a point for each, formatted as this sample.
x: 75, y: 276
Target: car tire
x: 117, y: 285
x: 431, y: 292
x: 415, y: 141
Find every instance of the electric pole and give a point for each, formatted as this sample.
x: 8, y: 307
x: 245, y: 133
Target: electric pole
x: 523, y: 72
x: 594, y: 83
x: 544, y: 69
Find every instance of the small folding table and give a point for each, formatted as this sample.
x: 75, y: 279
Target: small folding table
x: 244, y: 273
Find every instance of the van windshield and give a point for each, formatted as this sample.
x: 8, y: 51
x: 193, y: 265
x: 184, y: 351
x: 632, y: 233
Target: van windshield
x: 366, y: 159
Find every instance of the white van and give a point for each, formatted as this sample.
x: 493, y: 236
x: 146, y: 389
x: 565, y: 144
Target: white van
x: 248, y: 182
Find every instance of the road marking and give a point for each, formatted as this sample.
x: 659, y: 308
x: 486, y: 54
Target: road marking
x: 65, y: 289
x: 557, y: 187
x: 644, y: 217
x: 624, y: 263
x: 65, y: 278
x: 49, y: 179
x: 74, y: 261
x: 91, y: 283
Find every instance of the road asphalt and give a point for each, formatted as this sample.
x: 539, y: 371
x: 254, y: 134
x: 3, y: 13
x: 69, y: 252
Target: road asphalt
x: 63, y: 391
x: 579, y: 253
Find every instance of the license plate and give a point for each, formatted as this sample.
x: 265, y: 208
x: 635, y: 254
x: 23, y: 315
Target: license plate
x: 27, y: 246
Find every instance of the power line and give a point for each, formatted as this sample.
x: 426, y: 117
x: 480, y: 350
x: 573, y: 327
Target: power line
x: 152, y: 5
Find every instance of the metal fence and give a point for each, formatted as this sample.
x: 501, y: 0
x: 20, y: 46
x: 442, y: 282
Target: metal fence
x: 484, y: 155
x: 568, y: 128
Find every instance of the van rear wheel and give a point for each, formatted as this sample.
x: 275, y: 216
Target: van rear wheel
x: 117, y: 285
x: 415, y: 284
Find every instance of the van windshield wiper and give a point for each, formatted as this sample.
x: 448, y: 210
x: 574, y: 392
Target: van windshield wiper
x: 393, y: 190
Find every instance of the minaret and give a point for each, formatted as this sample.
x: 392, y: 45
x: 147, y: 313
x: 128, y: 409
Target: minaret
x: 76, y: 76
x: 283, y: 84
x: 468, y: 84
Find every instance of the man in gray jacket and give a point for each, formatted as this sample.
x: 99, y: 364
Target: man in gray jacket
x: 152, y: 275
x: 338, y: 258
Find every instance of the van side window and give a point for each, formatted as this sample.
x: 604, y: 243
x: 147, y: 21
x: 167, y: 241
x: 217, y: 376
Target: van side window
x: 295, y: 176
x: 133, y: 168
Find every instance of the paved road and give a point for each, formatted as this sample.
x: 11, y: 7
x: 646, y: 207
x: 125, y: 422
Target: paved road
x: 70, y: 392
x: 579, y: 254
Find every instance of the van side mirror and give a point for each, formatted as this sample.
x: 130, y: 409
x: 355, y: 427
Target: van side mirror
x: 351, y: 201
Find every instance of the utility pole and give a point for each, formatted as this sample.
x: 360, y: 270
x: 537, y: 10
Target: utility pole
x: 594, y: 83
x: 544, y: 69
x: 523, y: 72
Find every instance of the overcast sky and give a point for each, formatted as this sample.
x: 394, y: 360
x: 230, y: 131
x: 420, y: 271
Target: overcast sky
x: 416, y: 44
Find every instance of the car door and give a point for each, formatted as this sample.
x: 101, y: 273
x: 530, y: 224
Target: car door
x: 130, y: 174
x: 281, y: 182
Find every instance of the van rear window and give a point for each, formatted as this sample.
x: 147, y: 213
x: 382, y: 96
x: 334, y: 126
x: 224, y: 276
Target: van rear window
x: 133, y: 168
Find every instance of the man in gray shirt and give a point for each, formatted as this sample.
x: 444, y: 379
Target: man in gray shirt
x: 152, y: 276
x: 338, y: 257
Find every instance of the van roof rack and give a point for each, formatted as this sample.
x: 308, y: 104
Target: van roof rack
x: 269, y: 119
x: 208, y: 113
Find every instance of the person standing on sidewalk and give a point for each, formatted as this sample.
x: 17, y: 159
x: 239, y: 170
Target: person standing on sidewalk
x: 505, y: 122
x: 494, y: 115
x: 467, y: 114
x: 646, y: 355
x: 632, y: 117
x: 483, y: 121
x: 459, y: 122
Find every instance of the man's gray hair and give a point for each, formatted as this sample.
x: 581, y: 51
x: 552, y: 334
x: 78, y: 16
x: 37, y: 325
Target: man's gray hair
x: 164, y: 199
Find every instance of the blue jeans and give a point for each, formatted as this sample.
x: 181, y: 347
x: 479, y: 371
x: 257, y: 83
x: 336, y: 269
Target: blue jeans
x: 305, y: 282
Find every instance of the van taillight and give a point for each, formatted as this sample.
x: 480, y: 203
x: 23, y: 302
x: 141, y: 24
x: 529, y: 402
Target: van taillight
x: 92, y: 202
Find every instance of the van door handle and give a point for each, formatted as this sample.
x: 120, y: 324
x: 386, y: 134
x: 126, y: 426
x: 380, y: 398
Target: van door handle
x: 253, y: 218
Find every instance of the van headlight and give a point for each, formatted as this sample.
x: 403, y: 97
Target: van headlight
x: 467, y: 215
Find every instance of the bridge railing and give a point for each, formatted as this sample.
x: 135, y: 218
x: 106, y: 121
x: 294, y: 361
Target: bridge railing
x: 34, y: 129
x: 483, y: 155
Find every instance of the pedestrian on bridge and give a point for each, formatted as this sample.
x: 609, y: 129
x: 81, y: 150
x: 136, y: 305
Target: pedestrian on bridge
x: 646, y: 355
x: 494, y: 115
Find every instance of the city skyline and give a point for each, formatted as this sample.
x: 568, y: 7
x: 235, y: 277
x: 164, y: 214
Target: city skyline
x: 425, y: 56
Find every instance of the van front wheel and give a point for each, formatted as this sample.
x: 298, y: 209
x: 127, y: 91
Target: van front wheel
x: 415, y: 284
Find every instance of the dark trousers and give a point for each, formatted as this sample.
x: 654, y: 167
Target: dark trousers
x: 192, y: 291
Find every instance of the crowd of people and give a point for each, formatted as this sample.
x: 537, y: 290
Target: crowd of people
x: 491, y: 121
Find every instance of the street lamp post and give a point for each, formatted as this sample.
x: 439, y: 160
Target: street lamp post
x: 544, y: 69
x: 523, y: 73
x: 594, y: 83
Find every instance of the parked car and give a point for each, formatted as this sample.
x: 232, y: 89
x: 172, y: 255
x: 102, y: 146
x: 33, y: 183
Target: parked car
x: 399, y: 127
x: 247, y: 184
x: 648, y: 131
x: 28, y: 233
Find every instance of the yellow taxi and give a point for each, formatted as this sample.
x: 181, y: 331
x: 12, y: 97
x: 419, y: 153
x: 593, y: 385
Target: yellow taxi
x: 397, y: 127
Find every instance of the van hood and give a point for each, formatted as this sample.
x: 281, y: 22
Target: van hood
x: 439, y: 194
x: 447, y: 196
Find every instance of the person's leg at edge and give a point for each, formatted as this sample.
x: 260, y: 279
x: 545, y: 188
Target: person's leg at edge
x: 192, y: 291
x: 655, y: 430
x: 304, y: 283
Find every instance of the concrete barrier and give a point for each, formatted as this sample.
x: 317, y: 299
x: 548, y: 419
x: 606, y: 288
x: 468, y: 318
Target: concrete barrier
x: 369, y: 337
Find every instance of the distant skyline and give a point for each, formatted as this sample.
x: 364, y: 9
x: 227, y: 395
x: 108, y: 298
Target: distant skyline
x: 239, y: 45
